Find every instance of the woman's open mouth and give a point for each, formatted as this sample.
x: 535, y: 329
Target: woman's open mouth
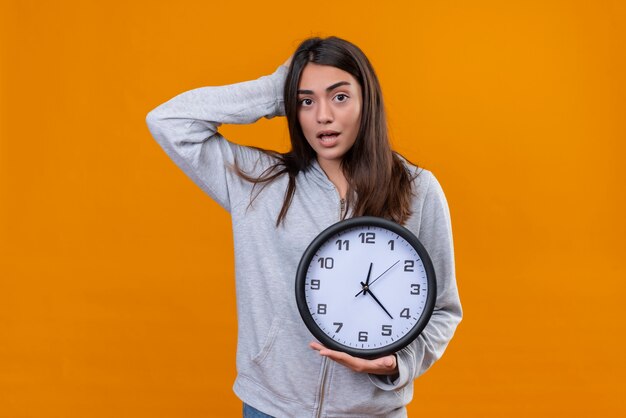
x: 328, y: 138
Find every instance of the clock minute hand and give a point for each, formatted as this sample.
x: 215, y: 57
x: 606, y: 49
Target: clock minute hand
x: 366, y: 289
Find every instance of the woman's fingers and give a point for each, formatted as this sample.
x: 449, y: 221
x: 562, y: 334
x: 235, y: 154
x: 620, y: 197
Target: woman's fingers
x: 384, y: 365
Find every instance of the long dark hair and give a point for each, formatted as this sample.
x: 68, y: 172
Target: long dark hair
x: 379, y: 182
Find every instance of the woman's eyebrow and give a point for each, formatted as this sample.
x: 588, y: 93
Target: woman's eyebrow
x: 334, y: 86
x: 329, y: 88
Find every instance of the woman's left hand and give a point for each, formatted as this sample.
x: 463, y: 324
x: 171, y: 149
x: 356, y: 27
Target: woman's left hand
x: 387, y: 365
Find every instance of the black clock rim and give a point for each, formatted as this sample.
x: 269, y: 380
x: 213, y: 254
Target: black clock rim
x: 334, y: 229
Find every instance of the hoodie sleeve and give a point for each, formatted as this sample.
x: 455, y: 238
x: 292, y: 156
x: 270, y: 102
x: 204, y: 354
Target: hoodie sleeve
x: 435, y: 233
x: 186, y: 128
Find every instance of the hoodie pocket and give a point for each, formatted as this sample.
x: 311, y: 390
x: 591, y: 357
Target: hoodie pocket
x: 270, y: 338
x: 354, y: 394
x: 285, y: 366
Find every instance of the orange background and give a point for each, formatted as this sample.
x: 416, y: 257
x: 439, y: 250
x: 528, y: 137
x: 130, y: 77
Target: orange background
x: 116, y: 271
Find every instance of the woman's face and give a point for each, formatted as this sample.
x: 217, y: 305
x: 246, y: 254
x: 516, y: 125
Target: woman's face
x: 329, y: 111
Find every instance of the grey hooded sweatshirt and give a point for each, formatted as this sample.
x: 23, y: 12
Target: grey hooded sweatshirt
x: 277, y: 372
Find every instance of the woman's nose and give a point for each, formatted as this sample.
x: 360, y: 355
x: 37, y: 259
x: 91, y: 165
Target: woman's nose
x: 324, y: 113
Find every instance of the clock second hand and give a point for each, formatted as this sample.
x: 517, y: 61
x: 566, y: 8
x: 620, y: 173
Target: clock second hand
x: 379, y: 276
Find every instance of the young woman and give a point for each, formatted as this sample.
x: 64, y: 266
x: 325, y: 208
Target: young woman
x: 340, y: 165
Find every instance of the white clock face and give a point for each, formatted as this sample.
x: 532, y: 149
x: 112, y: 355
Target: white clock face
x: 366, y: 288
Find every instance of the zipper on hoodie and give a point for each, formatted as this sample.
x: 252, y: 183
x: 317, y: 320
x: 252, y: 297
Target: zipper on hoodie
x: 322, y: 387
x: 342, y: 207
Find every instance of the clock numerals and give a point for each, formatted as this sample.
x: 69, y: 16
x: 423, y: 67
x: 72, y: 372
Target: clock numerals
x: 367, y: 237
x: 343, y: 244
x: 377, y: 292
x: 326, y: 263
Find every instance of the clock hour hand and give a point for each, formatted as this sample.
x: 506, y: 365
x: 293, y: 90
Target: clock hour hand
x: 367, y: 290
x: 367, y: 281
x: 379, y: 276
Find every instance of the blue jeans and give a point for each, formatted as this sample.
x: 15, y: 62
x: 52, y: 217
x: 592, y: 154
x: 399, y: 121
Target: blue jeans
x: 250, y: 412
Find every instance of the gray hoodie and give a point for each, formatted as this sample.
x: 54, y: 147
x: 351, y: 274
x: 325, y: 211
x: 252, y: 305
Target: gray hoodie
x: 277, y: 372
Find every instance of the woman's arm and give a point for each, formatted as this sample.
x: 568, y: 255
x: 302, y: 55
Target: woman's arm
x: 186, y: 128
x: 436, y: 235
x: 396, y: 371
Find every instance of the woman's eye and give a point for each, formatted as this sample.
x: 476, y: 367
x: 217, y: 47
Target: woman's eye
x: 341, y: 97
x: 306, y: 102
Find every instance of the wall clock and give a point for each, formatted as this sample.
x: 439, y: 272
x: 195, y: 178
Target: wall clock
x: 365, y: 286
